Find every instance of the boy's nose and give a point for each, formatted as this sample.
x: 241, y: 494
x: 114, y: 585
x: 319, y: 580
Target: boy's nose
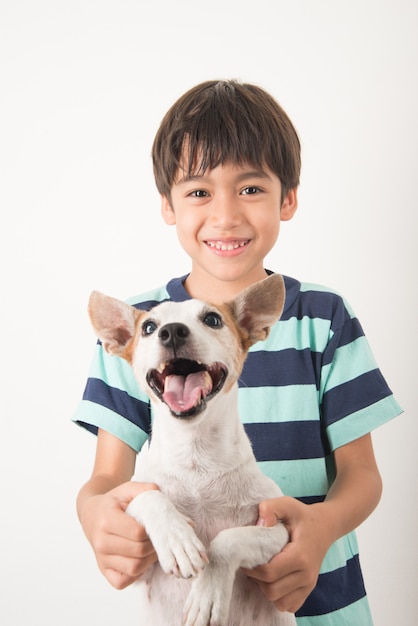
x: 225, y: 213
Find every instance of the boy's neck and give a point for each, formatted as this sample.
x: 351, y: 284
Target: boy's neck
x: 217, y: 291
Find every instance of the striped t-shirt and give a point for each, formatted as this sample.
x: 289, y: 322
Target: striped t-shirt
x: 308, y: 389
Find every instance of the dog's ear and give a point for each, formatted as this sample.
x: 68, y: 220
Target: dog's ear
x: 113, y: 321
x: 258, y: 307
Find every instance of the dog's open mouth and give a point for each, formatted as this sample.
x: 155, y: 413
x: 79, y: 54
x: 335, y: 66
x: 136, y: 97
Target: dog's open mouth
x: 186, y: 385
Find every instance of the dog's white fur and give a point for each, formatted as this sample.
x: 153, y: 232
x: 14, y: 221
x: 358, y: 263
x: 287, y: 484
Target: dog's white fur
x: 201, y: 522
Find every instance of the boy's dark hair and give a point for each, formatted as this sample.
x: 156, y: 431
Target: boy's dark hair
x: 224, y: 121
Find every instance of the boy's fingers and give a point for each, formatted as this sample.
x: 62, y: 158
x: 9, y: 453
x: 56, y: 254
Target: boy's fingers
x: 280, y: 588
x: 122, y: 571
x: 126, y: 527
x: 126, y: 492
x: 127, y: 566
x: 280, y: 509
x: 117, y: 579
x: 116, y: 545
x: 266, y: 573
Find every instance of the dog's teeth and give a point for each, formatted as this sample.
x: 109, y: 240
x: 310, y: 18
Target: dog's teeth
x: 208, y: 381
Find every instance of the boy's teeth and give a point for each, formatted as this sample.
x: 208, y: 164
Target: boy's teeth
x: 220, y: 245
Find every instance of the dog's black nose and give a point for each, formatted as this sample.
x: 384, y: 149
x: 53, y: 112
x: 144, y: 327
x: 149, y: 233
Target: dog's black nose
x: 173, y: 335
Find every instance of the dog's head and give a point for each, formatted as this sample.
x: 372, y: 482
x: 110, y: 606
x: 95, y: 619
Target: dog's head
x: 185, y: 353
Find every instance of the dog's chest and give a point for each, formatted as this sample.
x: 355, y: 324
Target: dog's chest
x: 212, y: 508
x: 213, y: 499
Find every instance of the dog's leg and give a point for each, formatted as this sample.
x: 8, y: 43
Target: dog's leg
x: 180, y: 551
x: 211, y: 592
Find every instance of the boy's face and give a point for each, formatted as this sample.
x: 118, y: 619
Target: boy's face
x: 227, y: 221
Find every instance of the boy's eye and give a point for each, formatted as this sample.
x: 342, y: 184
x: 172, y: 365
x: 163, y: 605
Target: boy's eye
x: 249, y: 191
x: 213, y: 320
x: 149, y: 327
x: 199, y: 193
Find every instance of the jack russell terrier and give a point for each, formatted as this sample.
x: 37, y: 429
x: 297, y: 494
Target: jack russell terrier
x: 188, y: 356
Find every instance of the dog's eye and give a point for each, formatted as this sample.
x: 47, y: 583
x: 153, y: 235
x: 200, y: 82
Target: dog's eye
x: 149, y: 327
x: 213, y: 320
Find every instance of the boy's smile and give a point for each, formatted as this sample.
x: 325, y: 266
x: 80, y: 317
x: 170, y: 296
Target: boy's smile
x: 227, y: 221
x: 226, y: 247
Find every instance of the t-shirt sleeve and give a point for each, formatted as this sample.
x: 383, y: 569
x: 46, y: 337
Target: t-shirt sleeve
x: 355, y: 398
x: 113, y: 401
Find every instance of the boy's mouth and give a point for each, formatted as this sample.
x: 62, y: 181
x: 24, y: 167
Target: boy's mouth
x: 224, y: 245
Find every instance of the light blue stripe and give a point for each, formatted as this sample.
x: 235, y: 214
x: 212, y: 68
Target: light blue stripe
x: 362, y: 422
x: 278, y: 404
x: 314, y: 287
x: 116, y: 372
x: 299, y: 479
x: 339, y: 553
x: 112, y: 422
x: 350, y: 362
x: 157, y: 295
x: 313, y: 333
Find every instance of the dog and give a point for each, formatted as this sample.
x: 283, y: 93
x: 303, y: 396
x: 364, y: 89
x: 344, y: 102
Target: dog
x: 187, y: 357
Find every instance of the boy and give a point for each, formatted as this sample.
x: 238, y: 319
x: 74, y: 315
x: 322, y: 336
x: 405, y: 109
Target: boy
x: 227, y: 164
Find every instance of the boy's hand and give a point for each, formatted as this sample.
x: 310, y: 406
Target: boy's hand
x: 291, y: 575
x: 122, y: 548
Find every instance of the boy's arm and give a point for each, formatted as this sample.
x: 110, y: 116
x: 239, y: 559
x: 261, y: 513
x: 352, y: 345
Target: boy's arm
x: 290, y: 576
x: 122, y: 548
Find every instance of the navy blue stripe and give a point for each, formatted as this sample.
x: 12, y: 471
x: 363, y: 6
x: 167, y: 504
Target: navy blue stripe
x: 312, y: 303
x: 89, y: 427
x: 176, y: 289
x: 353, y: 396
x: 134, y: 410
x: 335, y: 590
x: 351, y: 331
x: 147, y: 305
x: 323, y: 305
x: 287, y: 441
x: 310, y: 499
x: 286, y: 367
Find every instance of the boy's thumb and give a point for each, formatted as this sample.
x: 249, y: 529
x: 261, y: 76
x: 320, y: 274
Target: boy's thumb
x: 266, y: 517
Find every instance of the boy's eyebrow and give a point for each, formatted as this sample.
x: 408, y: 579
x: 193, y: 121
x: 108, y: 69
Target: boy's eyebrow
x: 187, y: 178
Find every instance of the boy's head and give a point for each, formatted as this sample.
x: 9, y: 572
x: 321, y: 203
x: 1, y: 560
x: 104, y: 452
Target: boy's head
x: 225, y: 121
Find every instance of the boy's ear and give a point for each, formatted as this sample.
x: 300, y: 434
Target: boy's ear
x: 167, y: 211
x: 289, y: 205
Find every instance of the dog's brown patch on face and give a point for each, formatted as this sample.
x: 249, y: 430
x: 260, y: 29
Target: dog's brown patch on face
x: 240, y: 334
x: 241, y: 340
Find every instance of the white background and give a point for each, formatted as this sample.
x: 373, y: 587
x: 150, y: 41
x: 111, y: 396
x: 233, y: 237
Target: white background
x: 83, y: 87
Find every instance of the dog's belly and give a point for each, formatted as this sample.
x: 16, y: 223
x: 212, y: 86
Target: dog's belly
x: 163, y: 599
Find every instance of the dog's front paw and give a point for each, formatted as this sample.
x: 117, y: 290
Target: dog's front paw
x: 180, y: 551
x: 208, y: 601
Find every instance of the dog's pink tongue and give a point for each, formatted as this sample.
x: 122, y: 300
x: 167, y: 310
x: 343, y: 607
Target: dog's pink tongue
x: 183, y: 393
